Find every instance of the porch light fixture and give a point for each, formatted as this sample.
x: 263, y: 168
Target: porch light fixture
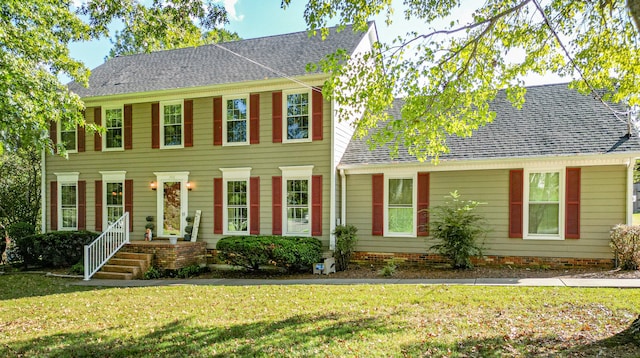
x: 153, y: 185
x: 189, y: 186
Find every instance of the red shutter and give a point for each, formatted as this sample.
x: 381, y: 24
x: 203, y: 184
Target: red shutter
x: 377, y: 199
x: 53, y: 135
x: 98, y: 205
x: 188, y: 123
x: 572, y: 210
x: 217, y: 205
x: 97, y: 138
x: 254, y: 210
x: 316, y: 105
x: 217, y: 121
x: 53, y: 205
x: 128, y: 201
x: 516, y: 193
x: 81, y: 140
x: 276, y: 107
x: 316, y: 205
x: 155, y: 125
x: 276, y: 205
x: 128, y: 126
x: 423, y: 204
x: 82, y: 205
x: 254, y: 114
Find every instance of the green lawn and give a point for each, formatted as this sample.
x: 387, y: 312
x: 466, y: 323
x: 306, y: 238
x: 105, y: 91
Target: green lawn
x: 42, y: 316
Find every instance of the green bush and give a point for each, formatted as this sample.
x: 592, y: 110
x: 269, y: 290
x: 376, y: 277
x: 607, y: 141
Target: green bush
x: 20, y: 230
x: 77, y: 269
x: 346, y: 240
x: 251, y: 252
x: 625, y: 242
x: 457, y: 228
x: 54, y: 249
x: 152, y: 273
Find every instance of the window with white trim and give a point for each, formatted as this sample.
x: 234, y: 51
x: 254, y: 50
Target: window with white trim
x: 172, y: 124
x: 296, y: 182
x: 400, y: 206
x: 114, y: 119
x: 297, y: 116
x: 236, y: 200
x: 543, y: 209
x: 236, y: 120
x: 67, y: 201
x: 113, y: 193
x: 68, y: 136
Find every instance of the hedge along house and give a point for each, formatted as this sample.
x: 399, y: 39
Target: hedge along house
x: 238, y: 130
x: 556, y: 176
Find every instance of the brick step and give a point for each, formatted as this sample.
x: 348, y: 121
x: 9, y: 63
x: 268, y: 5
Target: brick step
x: 113, y: 275
x: 134, y: 270
x: 134, y: 256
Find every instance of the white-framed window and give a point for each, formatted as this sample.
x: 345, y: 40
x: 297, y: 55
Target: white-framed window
x: 67, y: 201
x: 296, y: 199
x: 543, y: 213
x: 114, y: 125
x: 113, y: 191
x: 68, y: 136
x: 235, y: 130
x: 172, y: 202
x: 296, y: 109
x: 172, y: 124
x: 235, y: 191
x: 400, y: 193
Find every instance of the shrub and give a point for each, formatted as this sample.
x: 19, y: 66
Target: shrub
x: 77, y: 269
x: 457, y: 228
x: 625, y: 242
x: 251, y: 252
x: 389, y: 269
x: 152, y: 273
x: 189, y: 271
x: 54, y: 249
x: 20, y: 230
x: 346, y: 240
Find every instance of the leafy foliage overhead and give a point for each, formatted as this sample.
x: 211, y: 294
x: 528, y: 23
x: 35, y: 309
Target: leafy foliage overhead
x: 449, y: 75
x: 34, y: 50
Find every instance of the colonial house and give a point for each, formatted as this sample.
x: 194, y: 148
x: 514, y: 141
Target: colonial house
x: 240, y: 131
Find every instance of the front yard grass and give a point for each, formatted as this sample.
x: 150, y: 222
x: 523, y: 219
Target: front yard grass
x: 43, y: 316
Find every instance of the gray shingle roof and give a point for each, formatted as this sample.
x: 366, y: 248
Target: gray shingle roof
x: 212, y: 65
x: 554, y: 121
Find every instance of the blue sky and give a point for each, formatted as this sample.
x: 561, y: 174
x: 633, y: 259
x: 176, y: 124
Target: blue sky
x: 259, y: 18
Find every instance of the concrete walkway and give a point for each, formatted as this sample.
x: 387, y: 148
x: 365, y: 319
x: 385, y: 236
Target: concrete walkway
x: 548, y: 282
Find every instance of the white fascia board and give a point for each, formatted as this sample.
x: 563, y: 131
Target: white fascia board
x: 507, y: 163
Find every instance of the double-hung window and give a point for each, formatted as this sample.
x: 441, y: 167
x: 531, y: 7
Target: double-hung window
x: 400, y: 206
x: 67, y: 201
x: 236, y: 200
x: 172, y: 124
x: 297, y: 118
x: 114, y: 196
x: 69, y: 138
x: 544, y: 210
x: 296, y: 183
x: 114, y: 128
x: 236, y: 115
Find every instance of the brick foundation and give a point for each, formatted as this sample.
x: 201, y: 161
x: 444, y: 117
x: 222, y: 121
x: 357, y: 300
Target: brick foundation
x: 168, y: 256
x: 408, y: 259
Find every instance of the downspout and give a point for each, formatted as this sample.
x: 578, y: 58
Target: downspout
x: 343, y: 197
x: 629, y: 195
x: 43, y: 192
x: 332, y: 192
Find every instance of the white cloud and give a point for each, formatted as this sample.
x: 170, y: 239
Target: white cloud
x: 230, y: 6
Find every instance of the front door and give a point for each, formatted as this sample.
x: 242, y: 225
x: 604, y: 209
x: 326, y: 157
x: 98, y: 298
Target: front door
x: 172, y: 203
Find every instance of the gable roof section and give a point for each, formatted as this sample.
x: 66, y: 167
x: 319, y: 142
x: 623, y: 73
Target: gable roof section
x: 554, y: 121
x: 208, y: 65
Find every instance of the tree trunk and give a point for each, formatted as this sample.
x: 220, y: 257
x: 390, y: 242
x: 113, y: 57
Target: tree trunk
x: 634, y: 9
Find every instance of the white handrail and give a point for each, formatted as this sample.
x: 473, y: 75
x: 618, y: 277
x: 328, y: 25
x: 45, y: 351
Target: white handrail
x: 97, y: 253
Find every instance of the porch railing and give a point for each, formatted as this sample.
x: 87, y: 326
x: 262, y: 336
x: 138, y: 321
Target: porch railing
x: 97, y: 253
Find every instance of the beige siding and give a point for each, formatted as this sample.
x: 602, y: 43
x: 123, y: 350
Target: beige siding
x: 202, y: 161
x: 603, y: 205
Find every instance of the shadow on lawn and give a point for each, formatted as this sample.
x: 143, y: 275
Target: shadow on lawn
x: 304, y: 335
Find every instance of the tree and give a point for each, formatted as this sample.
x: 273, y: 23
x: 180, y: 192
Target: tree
x: 34, y: 51
x: 20, y: 187
x: 449, y: 75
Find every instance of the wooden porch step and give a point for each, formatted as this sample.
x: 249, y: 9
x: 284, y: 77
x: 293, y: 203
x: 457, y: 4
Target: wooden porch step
x: 134, y: 270
x: 142, y: 264
x: 134, y: 256
x: 113, y: 275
